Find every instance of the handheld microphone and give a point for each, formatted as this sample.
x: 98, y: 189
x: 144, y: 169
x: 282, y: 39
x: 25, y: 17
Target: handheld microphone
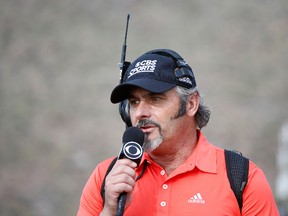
x: 133, y: 139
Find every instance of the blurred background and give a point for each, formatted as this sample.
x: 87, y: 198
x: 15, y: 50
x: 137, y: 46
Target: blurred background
x: 59, y: 63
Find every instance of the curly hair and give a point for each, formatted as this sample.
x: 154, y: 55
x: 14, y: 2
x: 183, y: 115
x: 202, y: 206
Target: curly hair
x: 203, y: 113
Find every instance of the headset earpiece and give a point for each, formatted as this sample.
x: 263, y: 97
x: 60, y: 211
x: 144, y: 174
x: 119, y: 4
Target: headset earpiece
x: 124, y: 112
x: 183, y: 69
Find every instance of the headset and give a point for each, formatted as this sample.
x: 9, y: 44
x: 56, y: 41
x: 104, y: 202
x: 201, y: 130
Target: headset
x: 182, y: 70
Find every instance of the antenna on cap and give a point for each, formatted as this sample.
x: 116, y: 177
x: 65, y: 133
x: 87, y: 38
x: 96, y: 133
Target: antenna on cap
x: 123, y: 65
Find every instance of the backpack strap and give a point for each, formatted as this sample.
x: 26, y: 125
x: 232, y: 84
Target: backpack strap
x: 237, y: 167
x: 102, y: 192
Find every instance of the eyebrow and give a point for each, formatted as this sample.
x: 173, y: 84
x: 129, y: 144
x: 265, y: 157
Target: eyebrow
x: 148, y: 94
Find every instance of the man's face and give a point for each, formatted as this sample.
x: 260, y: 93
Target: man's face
x: 157, y: 115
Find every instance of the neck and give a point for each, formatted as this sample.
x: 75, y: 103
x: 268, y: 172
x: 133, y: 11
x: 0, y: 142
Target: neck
x: 171, y: 155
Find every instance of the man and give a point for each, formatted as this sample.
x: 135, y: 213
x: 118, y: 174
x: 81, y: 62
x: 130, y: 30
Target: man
x: 181, y: 172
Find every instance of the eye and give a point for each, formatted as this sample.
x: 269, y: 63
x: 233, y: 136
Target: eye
x: 133, y: 101
x: 155, y: 98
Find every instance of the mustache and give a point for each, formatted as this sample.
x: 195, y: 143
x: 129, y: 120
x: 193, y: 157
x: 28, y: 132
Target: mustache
x: 145, y: 122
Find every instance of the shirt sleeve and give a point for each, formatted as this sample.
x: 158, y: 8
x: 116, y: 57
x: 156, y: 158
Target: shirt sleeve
x: 91, y: 203
x: 258, y: 198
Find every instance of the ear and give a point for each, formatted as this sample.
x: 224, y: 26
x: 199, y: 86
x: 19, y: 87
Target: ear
x: 193, y: 103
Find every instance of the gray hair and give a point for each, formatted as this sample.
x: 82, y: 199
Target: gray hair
x: 203, y: 113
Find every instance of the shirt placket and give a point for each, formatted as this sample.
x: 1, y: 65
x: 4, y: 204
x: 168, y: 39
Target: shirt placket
x: 163, y: 196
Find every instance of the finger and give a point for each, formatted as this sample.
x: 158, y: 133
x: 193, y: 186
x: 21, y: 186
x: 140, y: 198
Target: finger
x: 127, y: 162
x: 122, y: 178
x: 123, y: 167
x: 121, y: 187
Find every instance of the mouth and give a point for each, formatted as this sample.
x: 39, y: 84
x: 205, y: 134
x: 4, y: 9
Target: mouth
x: 147, y: 125
x: 147, y: 128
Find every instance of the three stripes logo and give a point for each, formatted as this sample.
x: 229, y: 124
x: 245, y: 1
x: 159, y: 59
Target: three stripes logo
x: 196, y: 199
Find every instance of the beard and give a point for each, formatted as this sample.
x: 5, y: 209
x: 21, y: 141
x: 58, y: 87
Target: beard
x: 150, y: 145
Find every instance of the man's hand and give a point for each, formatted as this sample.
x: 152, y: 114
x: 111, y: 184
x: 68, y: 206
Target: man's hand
x: 120, y: 179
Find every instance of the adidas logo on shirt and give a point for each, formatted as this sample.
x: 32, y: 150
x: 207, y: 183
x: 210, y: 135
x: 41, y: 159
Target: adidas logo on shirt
x: 196, y: 199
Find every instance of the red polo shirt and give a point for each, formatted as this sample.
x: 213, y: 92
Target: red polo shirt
x: 200, y: 186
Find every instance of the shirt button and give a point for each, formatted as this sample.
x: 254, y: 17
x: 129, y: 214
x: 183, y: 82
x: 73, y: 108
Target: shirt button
x: 162, y: 172
x: 165, y: 186
x: 163, y: 203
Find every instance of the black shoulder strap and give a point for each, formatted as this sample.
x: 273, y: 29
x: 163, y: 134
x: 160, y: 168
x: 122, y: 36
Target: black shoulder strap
x: 237, y: 171
x: 103, y: 183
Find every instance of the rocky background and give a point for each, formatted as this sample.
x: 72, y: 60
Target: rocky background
x: 59, y: 63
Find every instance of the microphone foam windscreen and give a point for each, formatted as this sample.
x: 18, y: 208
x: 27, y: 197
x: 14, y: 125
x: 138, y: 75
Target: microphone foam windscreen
x: 133, y: 134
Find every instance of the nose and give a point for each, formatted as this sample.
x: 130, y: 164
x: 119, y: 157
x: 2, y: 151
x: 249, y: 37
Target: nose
x: 141, y: 111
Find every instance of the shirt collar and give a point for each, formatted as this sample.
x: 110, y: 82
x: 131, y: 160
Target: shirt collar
x: 203, y: 156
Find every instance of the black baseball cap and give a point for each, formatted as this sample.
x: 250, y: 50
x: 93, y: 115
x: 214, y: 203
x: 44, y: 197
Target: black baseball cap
x: 154, y: 72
